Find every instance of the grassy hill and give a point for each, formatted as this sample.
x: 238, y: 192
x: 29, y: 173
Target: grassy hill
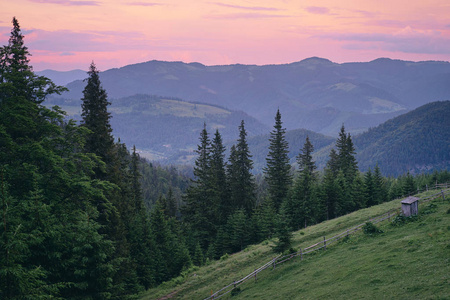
x: 407, y: 261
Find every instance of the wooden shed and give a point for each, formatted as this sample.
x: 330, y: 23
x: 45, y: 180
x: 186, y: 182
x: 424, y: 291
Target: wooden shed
x: 410, y: 206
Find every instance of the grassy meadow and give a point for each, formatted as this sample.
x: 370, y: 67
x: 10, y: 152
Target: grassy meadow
x: 407, y: 261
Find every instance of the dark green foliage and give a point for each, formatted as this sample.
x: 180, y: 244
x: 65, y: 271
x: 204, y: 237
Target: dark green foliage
x: 283, y: 235
x: 409, y: 186
x: 400, y: 220
x: 277, y: 171
x: 50, y: 241
x: 96, y: 117
x: 346, y: 161
x: 264, y: 221
x: 303, y: 206
x: 238, y: 230
x: 379, y: 184
x: 370, y: 229
x: 358, y: 193
x: 157, y: 180
x: 219, y: 182
x: 240, y: 178
x: 236, y: 291
x: 414, y: 141
x: 369, y: 188
x: 201, y: 208
x: 197, y: 258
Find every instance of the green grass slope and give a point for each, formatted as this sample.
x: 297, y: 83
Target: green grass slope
x: 409, y: 261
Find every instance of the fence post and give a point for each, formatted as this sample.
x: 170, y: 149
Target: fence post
x: 324, y: 243
x: 273, y: 267
x: 427, y: 186
x: 347, y: 233
x: 256, y: 279
x: 301, y: 254
x: 443, y: 196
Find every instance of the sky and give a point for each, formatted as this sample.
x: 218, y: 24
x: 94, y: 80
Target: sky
x: 69, y: 34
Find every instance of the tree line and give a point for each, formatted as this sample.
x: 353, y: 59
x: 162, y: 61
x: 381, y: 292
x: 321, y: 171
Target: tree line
x: 226, y: 209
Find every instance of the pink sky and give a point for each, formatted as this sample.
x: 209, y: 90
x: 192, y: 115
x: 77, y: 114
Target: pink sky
x: 69, y: 34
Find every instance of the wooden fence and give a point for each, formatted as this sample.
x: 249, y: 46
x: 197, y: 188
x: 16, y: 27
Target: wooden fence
x: 317, y: 246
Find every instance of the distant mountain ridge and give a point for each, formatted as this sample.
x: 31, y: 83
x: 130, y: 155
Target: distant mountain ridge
x: 161, y: 127
x: 315, y: 94
x: 63, y: 77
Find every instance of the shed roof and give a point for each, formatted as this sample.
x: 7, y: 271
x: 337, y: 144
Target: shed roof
x: 410, y: 200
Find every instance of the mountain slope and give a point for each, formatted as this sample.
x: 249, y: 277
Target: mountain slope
x: 315, y: 94
x: 259, y: 145
x: 409, y: 262
x: 161, y: 126
x: 63, y: 77
x: 417, y: 141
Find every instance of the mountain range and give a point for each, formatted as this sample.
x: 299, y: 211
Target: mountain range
x: 314, y: 94
x: 164, y: 128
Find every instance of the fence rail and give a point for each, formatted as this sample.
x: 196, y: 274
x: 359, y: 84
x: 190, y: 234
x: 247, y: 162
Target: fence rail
x: 321, y: 245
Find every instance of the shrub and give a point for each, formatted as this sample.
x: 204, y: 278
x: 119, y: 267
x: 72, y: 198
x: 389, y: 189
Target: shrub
x: 371, y: 229
x: 235, y: 291
x: 224, y: 257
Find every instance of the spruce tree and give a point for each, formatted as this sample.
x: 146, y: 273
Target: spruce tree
x: 277, y: 171
x: 409, y: 185
x: 379, y: 186
x: 50, y: 241
x: 303, y: 205
x: 219, y: 184
x: 240, y: 178
x: 200, y: 209
x: 346, y: 155
x: 96, y: 117
x: 369, y: 188
x: 331, y: 191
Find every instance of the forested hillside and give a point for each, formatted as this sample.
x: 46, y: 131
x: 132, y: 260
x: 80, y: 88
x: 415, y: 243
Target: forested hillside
x: 418, y: 141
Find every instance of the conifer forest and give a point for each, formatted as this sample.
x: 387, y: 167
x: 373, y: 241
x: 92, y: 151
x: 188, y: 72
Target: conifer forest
x: 83, y: 216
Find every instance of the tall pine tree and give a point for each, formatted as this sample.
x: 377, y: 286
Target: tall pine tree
x: 219, y: 183
x: 240, y: 178
x: 96, y: 117
x: 200, y: 210
x: 304, y: 205
x: 277, y: 172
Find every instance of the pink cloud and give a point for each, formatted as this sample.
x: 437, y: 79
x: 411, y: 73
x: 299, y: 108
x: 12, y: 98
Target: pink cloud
x: 406, y: 40
x: 318, y: 10
x: 257, y: 8
x: 243, y: 16
x: 70, y: 41
x: 68, y: 2
x: 144, y: 4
